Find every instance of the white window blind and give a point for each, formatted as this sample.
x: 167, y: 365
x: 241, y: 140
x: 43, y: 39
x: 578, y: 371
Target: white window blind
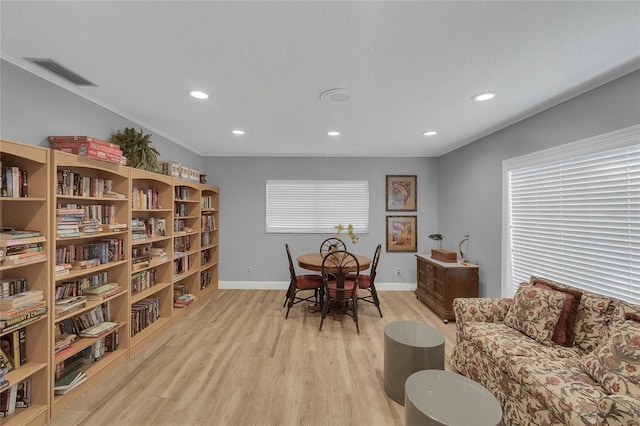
x: 577, y: 221
x: 316, y: 206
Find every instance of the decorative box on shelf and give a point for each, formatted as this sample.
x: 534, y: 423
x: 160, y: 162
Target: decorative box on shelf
x: 446, y: 256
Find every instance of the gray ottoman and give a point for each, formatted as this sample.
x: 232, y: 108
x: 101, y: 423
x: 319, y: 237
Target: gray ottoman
x: 409, y: 347
x: 434, y: 397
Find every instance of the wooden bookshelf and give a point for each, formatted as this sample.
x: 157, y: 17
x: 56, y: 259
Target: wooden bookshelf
x: 96, y: 184
x: 186, y: 239
x: 190, y: 212
x: 209, y: 213
x: 31, y: 213
x: 151, y: 285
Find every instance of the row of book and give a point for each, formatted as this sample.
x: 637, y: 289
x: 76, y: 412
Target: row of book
x: 144, y: 313
x: 182, y: 243
x: 180, y: 264
x: 13, y: 348
x: 207, y: 222
x: 19, y: 247
x: 88, y: 146
x: 181, y: 192
x: 13, y: 182
x: 148, y: 227
x: 143, y: 280
x: 105, y: 214
x: 205, y: 279
x: 83, y: 256
x: 77, y: 287
x: 206, y: 201
x: 148, y: 199
x: 70, y: 182
x: 181, y: 209
x: 177, y: 170
x: 15, y: 396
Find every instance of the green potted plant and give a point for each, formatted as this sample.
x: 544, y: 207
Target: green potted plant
x: 138, y: 149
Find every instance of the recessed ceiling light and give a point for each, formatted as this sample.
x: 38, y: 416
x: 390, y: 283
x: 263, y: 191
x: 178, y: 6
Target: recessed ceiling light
x: 333, y: 133
x: 199, y: 95
x: 485, y: 96
x: 238, y: 132
x: 430, y: 133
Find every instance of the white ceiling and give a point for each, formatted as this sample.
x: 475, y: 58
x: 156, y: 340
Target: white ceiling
x: 410, y: 66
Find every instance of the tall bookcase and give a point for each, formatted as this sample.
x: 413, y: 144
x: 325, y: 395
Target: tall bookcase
x: 114, y: 194
x: 152, y: 279
x: 186, y: 239
x: 81, y: 183
x: 209, y: 214
x: 31, y: 213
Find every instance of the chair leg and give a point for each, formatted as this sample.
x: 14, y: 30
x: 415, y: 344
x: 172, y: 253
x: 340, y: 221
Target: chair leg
x: 376, y: 301
x: 292, y: 297
x: 355, y: 313
x: 325, y: 310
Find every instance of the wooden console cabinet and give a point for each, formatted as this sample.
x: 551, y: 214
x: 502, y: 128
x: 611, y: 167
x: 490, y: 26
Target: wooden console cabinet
x: 439, y: 283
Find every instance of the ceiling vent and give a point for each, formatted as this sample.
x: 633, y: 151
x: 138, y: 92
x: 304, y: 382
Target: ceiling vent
x: 62, y: 72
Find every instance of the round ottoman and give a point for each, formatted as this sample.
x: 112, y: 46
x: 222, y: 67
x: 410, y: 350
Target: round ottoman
x: 434, y: 397
x: 409, y: 347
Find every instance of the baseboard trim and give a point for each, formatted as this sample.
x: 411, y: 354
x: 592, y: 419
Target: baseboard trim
x: 282, y: 285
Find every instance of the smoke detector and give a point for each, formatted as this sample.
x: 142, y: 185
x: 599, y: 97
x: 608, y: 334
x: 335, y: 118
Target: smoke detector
x: 336, y: 96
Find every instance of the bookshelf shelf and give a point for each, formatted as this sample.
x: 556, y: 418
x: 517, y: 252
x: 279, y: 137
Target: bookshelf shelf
x: 30, y: 212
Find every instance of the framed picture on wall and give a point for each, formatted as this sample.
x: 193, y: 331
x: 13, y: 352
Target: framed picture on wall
x: 401, y: 193
x: 402, y: 233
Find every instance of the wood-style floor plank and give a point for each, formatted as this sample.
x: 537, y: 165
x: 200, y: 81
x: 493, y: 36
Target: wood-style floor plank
x: 235, y: 360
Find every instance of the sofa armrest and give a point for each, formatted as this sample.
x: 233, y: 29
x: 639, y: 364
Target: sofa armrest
x: 619, y: 410
x: 480, y: 309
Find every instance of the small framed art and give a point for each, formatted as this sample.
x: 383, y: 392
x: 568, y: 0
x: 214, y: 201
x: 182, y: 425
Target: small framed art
x: 401, y: 193
x: 402, y: 233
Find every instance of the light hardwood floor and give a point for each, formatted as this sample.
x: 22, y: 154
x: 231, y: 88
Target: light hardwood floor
x: 235, y: 360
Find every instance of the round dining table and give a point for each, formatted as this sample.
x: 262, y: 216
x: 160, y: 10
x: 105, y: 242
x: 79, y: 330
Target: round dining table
x: 313, y: 261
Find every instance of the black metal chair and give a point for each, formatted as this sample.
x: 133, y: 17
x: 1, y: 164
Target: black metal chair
x: 366, y: 282
x: 332, y: 244
x: 301, y: 283
x: 340, y: 271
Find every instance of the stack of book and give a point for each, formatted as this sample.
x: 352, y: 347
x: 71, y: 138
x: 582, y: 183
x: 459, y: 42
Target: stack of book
x: 19, y: 247
x: 102, y: 292
x: 140, y: 256
x: 88, y: 147
x: 99, y: 329
x: 159, y: 253
x: 68, y: 222
x: 69, y: 381
x: 62, y: 269
x: 70, y: 304
x: 63, y: 343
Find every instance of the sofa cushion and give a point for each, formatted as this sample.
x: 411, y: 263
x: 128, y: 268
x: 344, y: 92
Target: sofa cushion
x: 535, y: 312
x: 594, y: 316
x: 500, y: 343
x: 564, y: 333
x: 615, y: 364
x: 558, y: 385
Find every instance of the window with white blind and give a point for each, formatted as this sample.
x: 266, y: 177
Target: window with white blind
x: 572, y: 214
x: 316, y: 206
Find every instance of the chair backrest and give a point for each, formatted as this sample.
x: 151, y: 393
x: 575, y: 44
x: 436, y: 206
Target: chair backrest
x: 336, y: 266
x: 332, y: 244
x: 374, y: 263
x: 292, y: 271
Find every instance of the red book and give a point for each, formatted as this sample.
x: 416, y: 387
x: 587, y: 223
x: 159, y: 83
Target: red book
x: 73, y: 147
x: 83, y: 139
x: 92, y: 153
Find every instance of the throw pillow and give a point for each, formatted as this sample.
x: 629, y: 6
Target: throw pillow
x: 564, y: 333
x: 615, y: 364
x: 535, y: 312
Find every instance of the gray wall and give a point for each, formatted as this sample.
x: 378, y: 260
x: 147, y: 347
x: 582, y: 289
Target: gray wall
x: 32, y: 108
x: 243, y: 239
x: 470, y: 191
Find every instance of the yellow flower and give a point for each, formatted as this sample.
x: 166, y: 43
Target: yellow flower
x: 349, y: 229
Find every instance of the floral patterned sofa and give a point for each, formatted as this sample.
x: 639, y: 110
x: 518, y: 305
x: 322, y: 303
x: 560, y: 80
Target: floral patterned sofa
x: 553, y: 354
